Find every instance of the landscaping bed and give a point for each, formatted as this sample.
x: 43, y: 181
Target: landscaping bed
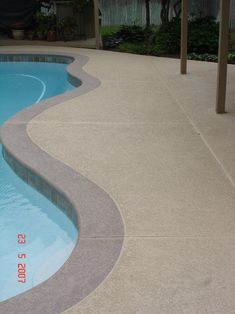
x: 165, y: 40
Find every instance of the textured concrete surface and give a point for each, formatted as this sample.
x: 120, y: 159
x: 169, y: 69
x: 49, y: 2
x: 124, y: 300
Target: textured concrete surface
x: 151, y: 139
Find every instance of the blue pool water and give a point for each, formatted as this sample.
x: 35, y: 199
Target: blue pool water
x: 25, y: 83
x: 50, y: 234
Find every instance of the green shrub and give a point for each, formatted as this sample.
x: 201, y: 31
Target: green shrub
x: 168, y: 36
x: 129, y: 34
x: 135, y: 33
x: 132, y: 34
x: 203, y: 35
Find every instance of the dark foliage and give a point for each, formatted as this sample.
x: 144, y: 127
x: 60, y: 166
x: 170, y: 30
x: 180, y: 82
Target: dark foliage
x: 203, y: 37
x: 168, y: 36
x: 129, y: 34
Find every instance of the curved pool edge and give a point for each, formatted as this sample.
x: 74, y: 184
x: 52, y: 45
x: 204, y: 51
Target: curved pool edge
x: 101, y: 229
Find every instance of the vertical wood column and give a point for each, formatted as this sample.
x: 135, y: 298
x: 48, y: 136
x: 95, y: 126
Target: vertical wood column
x: 97, y: 24
x: 223, y: 56
x: 184, y: 36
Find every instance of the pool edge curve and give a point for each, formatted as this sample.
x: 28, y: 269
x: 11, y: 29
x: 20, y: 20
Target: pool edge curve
x: 101, y: 228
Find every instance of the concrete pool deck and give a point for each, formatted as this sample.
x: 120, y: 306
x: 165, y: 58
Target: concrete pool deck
x: 151, y: 139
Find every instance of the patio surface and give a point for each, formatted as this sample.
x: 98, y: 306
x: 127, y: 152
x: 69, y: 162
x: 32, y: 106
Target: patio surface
x: 151, y: 139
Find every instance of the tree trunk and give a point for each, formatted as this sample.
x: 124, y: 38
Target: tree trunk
x: 165, y: 11
x: 177, y: 8
x: 148, y: 22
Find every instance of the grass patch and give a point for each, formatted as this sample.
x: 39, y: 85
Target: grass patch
x: 108, y: 31
x: 138, y: 48
x: 233, y: 37
x: 232, y: 42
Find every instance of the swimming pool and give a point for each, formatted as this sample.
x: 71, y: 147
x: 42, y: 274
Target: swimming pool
x: 36, y: 237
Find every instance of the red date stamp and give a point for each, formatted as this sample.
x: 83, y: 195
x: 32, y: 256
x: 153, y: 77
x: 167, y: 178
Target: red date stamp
x: 21, y: 258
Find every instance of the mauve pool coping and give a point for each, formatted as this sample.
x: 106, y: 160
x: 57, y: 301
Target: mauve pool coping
x: 101, y: 229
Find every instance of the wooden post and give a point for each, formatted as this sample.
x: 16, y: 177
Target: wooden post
x: 223, y: 56
x: 184, y: 36
x: 97, y: 24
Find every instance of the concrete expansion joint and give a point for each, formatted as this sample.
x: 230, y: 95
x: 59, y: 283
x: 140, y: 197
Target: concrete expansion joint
x: 197, y: 130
